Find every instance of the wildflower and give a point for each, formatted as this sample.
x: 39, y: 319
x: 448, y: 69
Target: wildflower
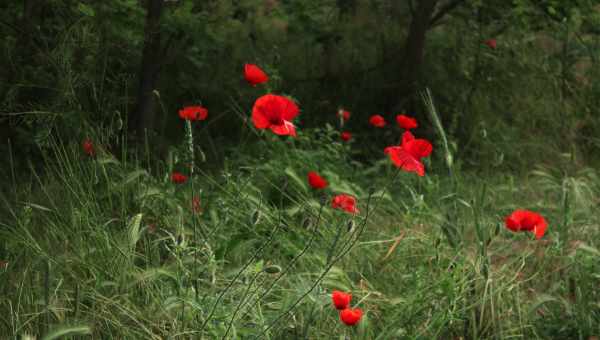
x: 254, y: 75
x: 344, y: 114
x: 408, y: 155
x: 344, y: 202
x: 377, y: 121
x: 88, y: 147
x: 178, y: 178
x: 525, y: 220
x: 193, y: 113
x: 275, y: 112
x: 340, y: 300
x: 491, y: 43
x: 3, y: 264
x: 406, y: 122
x: 346, y: 136
x: 351, y: 316
x: 316, y: 181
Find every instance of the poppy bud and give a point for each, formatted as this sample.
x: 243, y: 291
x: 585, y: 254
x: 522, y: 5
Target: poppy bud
x: 323, y: 199
x: 307, y: 223
x: 255, y: 217
x: 351, y: 225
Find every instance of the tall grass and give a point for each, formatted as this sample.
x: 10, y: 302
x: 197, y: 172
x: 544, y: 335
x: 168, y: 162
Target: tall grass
x: 108, y: 249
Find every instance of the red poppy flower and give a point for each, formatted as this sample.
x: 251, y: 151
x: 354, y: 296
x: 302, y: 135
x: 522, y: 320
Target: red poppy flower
x: 525, y: 220
x: 88, y: 147
x: 275, y: 112
x: 196, y: 204
x: 254, y: 75
x: 408, y: 155
x: 344, y: 202
x: 193, y: 113
x: 406, y: 122
x: 316, y: 181
x: 178, y: 178
x: 377, y: 121
x: 341, y: 300
x: 346, y: 136
x: 344, y: 114
x: 351, y: 316
x: 491, y: 43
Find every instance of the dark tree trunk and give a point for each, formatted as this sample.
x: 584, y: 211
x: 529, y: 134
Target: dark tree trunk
x: 415, y: 50
x: 144, y: 114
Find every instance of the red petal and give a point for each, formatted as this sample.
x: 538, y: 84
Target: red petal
x: 406, y: 122
x: 344, y: 202
x: 351, y: 316
x: 540, y: 229
x: 512, y: 224
x: 254, y: 75
x: 407, y: 137
x: 405, y: 160
x: 316, y: 181
x: 289, y: 109
x: 418, y: 148
x: 341, y: 300
x: 260, y: 120
x: 284, y: 129
x: 377, y: 121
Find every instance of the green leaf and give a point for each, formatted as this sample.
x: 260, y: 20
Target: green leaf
x: 134, y: 231
x: 68, y: 331
x: 294, y: 176
x: 544, y: 299
x: 589, y: 249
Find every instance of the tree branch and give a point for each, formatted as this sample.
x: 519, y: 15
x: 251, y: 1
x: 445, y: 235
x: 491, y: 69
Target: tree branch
x: 444, y: 10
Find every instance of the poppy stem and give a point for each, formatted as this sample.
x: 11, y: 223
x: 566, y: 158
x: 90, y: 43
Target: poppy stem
x: 237, y: 275
x: 360, y: 229
x: 293, y: 261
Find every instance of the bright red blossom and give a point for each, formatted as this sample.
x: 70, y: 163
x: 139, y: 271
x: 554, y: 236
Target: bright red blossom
x: 193, y: 113
x: 406, y: 122
x: 178, y: 178
x: 316, y: 181
x: 491, y: 43
x: 408, y: 155
x: 351, y: 316
x: 377, y: 121
x: 275, y: 112
x: 346, y: 136
x: 525, y: 220
x: 344, y: 114
x: 344, y: 202
x: 254, y: 75
x: 341, y: 300
x: 88, y: 147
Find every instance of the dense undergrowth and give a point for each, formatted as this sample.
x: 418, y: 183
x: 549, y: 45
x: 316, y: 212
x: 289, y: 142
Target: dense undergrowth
x: 112, y: 248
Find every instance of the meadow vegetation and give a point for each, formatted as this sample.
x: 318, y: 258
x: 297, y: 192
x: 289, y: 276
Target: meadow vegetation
x: 285, y: 207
